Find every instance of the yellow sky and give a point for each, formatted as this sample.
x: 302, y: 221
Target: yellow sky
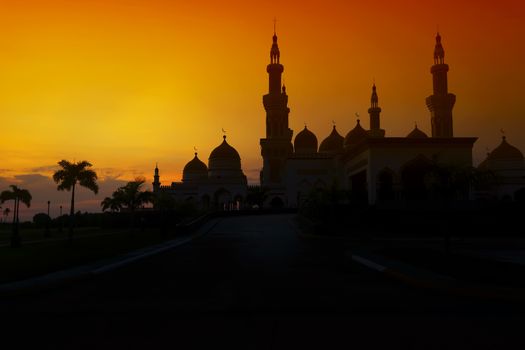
x: 126, y: 83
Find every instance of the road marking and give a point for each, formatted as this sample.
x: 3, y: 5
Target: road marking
x: 368, y: 263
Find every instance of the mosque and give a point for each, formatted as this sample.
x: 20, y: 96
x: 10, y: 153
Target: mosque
x: 368, y: 163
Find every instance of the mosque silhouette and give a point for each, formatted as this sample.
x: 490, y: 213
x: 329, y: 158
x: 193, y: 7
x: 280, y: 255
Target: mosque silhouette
x: 373, y: 167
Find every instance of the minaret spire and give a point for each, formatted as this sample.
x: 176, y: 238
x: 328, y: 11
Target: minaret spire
x: 156, y: 179
x: 275, y: 54
x: 277, y: 145
x: 374, y: 111
x: 441, y: 102
x: 439, y: 51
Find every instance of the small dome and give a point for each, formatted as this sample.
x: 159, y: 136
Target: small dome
x: 417, y: 134
x: 505, y: 151
x: 356, y: 135
x: 195, y: 169
x: 333, y: 143
x: 305, y: 142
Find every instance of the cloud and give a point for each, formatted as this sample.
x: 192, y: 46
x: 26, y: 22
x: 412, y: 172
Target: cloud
x: 44, y: 189
x: 44, y: 169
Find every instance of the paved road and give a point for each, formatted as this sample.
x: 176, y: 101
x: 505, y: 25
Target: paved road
x: 253, y: 282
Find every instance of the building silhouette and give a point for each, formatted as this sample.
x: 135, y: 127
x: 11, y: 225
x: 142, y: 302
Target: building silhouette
x: 367, y: 163
x: 220, y: 184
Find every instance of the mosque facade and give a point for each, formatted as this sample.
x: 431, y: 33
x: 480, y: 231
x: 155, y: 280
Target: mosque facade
x: 372, y: 165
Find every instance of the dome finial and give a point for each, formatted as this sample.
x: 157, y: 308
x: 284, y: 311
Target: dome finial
x: 503, y: 134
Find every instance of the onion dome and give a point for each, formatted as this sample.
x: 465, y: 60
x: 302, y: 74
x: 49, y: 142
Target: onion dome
x: 417, y: 134
x: 333, y: 143
x: 305, y: 142
x: 224, y: 157
x: 195, y: 170
x: 505, y: 151
x: 356, y: 135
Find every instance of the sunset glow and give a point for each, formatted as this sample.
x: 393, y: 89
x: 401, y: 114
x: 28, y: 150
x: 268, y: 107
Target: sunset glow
x: 127, y: 83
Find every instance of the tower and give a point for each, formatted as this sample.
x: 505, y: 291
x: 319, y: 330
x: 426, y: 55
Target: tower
x: 156, y: 179
x: 277, y: 145
x: 374, y: 111
x: 441, y: 102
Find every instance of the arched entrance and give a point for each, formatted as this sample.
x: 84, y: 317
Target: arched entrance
x: 277, y: 203
x: 413, y: 176
x: 385, y: 185
x: 222, y: 199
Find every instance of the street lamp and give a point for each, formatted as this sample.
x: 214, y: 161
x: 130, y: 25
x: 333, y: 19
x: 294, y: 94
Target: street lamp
x: 47, y: 233
x: 61, y: 222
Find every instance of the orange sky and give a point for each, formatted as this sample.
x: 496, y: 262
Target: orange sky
x: 125, y: 83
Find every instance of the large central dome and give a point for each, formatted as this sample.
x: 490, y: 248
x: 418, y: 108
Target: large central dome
x: 225, y: 162
x: 225, y: 152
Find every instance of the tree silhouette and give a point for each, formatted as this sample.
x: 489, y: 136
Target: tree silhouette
x: 111, y: 203
x: 6, y: 214
x: 68, y: 177
x: 17, y: 195
x: 129, y: 197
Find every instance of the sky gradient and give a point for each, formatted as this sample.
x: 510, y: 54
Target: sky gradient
x: 127, y: 83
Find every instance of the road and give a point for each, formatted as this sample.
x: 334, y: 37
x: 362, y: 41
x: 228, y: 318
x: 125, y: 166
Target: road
x: 253, y: 282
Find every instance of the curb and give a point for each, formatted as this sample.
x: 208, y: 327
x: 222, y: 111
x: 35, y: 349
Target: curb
x: 88, y: 271
x: 443, y: 283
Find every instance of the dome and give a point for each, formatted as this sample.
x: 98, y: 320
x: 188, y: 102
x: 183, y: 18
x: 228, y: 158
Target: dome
x: 417, y: 134
x: 505, y: 151
x: 224, y: 157
x: 225, y: 151
x: 333, y: 143
x: 356, y: 135
x: 195, y: 169
x: 305, y: 142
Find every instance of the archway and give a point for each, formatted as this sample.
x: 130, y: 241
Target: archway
x: 385, y: 185
x: 222, y: 199
x: 277, y: 203
x: 358, y: 187
x: 413, y: 177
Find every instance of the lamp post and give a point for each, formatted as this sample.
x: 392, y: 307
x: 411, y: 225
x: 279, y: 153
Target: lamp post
x: 47, y: 233
x: 61, y: 222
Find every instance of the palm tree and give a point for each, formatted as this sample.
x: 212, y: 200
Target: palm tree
x: 68, y: 177
x: 17, y: 195
x: 129, y: 197
x: 111, y: 203
x: 6, y: 213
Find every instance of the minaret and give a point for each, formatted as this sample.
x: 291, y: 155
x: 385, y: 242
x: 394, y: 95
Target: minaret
x: 374, y: 111
x: 440, y: 104
x: 156, y: 179
x: 277, y: 145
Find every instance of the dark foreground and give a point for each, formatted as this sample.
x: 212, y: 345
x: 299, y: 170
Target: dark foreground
x: 252, y: 283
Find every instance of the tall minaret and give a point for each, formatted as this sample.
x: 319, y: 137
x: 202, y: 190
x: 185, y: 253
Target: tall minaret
x: 374, y: 111
x: 156, y: 179
x: 440, y: 104
x: 277, y: 145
